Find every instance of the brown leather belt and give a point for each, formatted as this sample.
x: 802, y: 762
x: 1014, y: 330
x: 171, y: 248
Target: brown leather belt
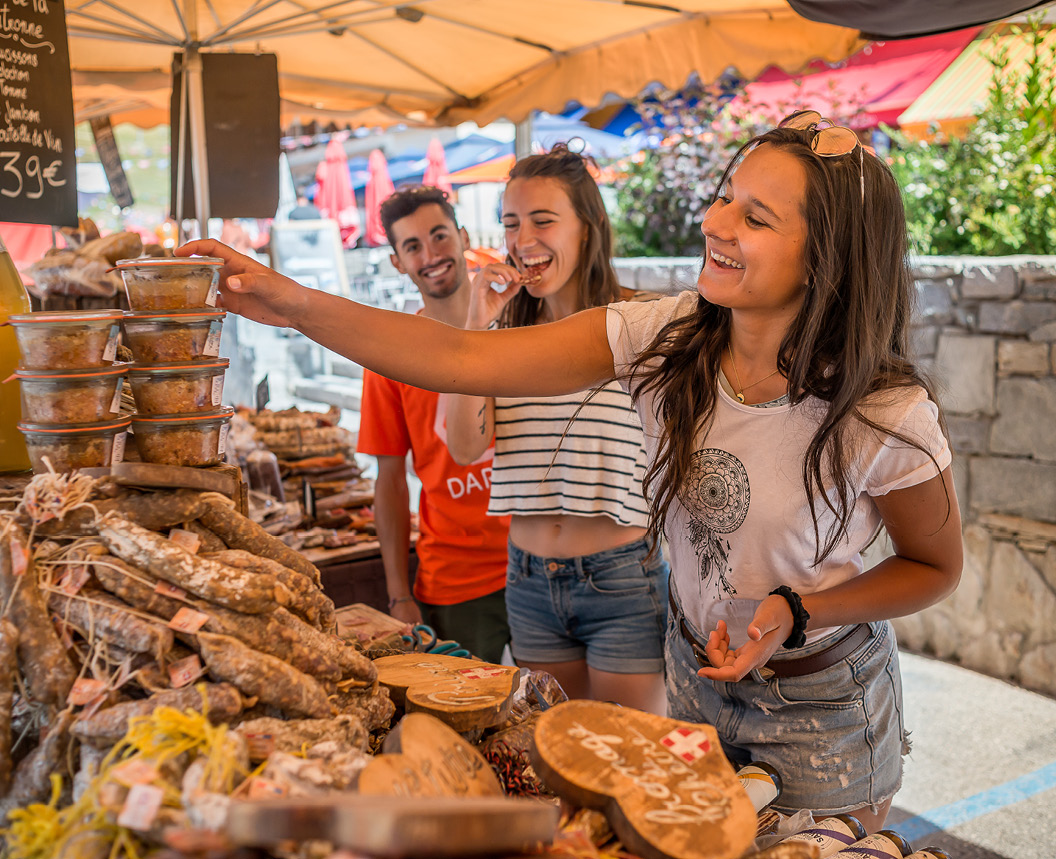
x: 796, y: 667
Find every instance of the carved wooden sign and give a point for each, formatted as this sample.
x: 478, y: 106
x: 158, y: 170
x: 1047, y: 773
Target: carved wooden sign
x: 424, y: 757
x: 665, y: 786
x: 464, y: 693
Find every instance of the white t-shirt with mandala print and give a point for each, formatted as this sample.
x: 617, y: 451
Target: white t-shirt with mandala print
x: 742, y: 525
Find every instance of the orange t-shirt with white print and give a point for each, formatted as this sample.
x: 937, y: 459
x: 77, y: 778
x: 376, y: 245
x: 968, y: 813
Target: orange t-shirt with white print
x: 461, y: 550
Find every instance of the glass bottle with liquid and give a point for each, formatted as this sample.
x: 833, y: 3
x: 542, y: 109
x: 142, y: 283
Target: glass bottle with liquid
x: 13, y: 300
x: 831, y: 834
x: 884, y: 843
x: 761, y: 782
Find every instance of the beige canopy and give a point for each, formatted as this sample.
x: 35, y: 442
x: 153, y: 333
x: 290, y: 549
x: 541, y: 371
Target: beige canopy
x: 373, y: 62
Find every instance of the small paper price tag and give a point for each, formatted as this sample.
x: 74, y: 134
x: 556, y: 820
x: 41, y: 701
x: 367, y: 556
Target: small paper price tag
x: 214, y: 289
x: 19, y: 556
x: 73, y: 579
x: 185, y: 671
x: 212, y: 341
x: 141, y: 807
x: 221, y: 446
x: 260, y: 745
x: 262, y: 788
x: 133, y: 772
x: 218, y: 389
x: 115, y: 403
x: 167, y: 590
x: 110, y: 350
x: 85, y: 690
x: 117, y: 452
x: 188, y: 620
x: 185, y: 540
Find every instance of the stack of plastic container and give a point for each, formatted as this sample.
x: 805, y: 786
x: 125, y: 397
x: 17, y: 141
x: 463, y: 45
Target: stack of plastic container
x: 173, y: 330
x: 71, y: 388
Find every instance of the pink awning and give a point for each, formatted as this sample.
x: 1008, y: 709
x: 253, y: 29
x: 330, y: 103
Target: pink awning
x: 884, y: 78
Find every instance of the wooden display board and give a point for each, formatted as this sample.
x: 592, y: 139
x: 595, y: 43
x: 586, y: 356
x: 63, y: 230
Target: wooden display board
x: 424, y: 757
x: 664, y: 785
x: 466, y: 694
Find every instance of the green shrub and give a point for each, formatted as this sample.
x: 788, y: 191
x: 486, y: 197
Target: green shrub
x: 993, y: 191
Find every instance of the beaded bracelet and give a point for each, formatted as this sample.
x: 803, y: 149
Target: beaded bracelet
x: 798, y: 636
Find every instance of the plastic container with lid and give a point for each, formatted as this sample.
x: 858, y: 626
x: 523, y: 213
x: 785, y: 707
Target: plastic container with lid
x: 170, y: 283
x: 71, y: 396
x: 178, y: 388
x: 194, y: 439
x: 73, y: 446
x: 67, y: 339
x: 166, y: 336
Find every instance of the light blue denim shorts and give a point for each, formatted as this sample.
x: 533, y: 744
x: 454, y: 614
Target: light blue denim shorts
x: 609, y: 608
x: 835, y: 736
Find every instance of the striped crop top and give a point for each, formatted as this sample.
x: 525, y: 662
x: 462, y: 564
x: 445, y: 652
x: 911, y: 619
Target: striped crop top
x: 595, y: 469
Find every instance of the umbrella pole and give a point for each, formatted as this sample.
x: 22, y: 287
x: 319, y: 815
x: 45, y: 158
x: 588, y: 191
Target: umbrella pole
x: 196, y: 109
x: 522, y: 138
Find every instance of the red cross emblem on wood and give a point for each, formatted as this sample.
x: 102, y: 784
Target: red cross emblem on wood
x: 687, y: 743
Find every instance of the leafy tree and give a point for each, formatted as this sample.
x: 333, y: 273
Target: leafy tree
x: 665, y: 189
x: 992, y: 191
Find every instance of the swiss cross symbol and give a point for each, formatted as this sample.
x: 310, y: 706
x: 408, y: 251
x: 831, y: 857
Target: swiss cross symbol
x: 481, y: 673
x: 688, y: 743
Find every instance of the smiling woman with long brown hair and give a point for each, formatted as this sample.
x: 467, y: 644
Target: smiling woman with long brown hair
x: 785, y: 424
x: 586, y: 594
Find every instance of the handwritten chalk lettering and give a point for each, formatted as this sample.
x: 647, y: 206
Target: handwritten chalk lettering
x: 29, y: 34
x: 28, y: 181
x: 600, y: 745
x: 455, y: 698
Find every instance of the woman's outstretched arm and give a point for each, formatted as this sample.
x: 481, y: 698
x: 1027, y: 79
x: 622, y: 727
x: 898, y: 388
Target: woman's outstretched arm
x: 541, y: 360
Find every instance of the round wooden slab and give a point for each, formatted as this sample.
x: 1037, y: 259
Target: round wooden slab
x: 424, y: 757
x: 392, y: 826
x: 464, y: 693
x: 665, y: 786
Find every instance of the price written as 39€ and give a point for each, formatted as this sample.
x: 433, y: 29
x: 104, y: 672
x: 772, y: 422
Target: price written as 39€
x: 31, y: 150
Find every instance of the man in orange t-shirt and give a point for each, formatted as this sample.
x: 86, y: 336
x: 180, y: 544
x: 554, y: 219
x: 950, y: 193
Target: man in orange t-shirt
x: 459, y: 587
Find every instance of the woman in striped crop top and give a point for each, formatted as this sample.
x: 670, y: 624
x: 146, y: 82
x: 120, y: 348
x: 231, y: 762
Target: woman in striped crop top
x: 586, y: 598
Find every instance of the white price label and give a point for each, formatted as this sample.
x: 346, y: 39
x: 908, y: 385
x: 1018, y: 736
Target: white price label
x: 212, y: 342
x: 110, y: 350
x: 214, y: 289
x: 117, y: 452
x: 115, y: 403
x: 185, y: 671
x: 221, y: 446
x: 141, y: 807
x: 218, y: 389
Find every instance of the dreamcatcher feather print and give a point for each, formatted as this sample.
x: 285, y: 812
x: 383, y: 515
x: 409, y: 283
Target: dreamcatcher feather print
x: 716, y: 495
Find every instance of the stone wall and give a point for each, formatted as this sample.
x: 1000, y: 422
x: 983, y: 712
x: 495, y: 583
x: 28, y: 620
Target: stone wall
x: 986, y: 331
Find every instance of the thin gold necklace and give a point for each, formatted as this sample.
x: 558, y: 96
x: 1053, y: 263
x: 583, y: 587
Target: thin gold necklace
x: 736, y: 373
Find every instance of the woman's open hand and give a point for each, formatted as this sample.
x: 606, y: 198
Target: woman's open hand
x: 770, y: 627
x: 250, y: 288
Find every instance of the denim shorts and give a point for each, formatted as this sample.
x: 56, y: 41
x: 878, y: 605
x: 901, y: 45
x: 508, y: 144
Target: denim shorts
x: 609, y: 608
x: 836, y: 736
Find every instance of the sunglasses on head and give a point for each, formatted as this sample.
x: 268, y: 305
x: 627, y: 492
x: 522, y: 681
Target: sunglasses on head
x: 827, y: 140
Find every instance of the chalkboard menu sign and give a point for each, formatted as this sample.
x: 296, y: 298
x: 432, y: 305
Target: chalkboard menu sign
x: 38, y: 168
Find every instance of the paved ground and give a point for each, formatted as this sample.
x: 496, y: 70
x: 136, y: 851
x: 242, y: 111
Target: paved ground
x: 981, y: 780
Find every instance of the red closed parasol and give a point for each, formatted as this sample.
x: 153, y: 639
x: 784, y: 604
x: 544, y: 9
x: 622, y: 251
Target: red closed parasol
x: 436, y: 167
x: 335, y: 198
x: 379, y: 188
